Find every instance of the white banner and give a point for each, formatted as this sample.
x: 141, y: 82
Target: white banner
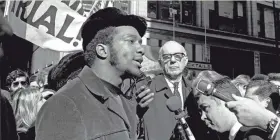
x: 100, y: 4
x: 51, y: 24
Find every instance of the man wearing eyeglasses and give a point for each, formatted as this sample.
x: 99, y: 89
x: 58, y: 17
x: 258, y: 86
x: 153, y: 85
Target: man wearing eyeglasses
x: 17, y: 79
x: 159, y: 122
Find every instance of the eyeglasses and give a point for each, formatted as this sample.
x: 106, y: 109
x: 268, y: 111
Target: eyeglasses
x: 241, y: 85
x: 16, y: 83
x: 177, y: 56
x: 244, y: 87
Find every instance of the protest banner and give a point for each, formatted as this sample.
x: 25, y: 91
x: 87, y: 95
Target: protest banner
x: 51, y: 24
x: 100, y: 4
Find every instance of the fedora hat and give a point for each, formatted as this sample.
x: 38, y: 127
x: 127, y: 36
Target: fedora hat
x: 110, y: 17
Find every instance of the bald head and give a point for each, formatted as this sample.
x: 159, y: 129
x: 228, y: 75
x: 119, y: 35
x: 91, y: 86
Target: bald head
x: 173, y: 59
x: 171, y: 47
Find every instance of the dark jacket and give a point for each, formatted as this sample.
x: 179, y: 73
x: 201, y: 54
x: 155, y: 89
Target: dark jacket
x: 250, y: 133
x: 29, y: 135
x: 84, y: 109
x: 8, y: 123
x: 246, y: 133
x: 159, y: 122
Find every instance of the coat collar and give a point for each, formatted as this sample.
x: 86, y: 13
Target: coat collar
x: 104, y: 93
x: 162, y: 85
x: 93, y: 83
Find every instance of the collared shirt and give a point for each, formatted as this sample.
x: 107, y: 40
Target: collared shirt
x: 171, y: 86
x: 233, y: 131
x: 112, y: 88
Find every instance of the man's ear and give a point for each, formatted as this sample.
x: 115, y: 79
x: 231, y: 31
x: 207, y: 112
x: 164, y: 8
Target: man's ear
x: 102, y: 51
x: 160, y: 62
x: 267, y: 101
x: 186, y: 61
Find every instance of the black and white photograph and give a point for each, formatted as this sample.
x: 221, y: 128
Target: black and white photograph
x: 140, y: 70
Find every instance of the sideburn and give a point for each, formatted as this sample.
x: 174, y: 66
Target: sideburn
x: 113, y: 57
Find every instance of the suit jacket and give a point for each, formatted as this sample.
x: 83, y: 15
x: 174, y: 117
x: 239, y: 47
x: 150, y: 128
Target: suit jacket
x: 159, y: 122
x: 251, y: 133
x: 84, y: 109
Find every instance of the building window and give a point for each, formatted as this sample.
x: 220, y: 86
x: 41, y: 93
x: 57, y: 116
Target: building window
x: 153, y: 42
x: 123, y: 5
x: 231, y: 16
x: 189, y: 48
x: 198, y: 53
x: 168, y: 8
x: 188, y: 12
x: 184, y: 11
x: 266, y: 27
x: 152, y: 9
x: 260, y: 21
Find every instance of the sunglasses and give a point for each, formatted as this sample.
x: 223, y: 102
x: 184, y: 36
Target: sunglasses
x: 16, y: 83
x: 177, y: 56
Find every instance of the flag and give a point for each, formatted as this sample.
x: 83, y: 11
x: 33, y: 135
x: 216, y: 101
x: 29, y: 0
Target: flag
x: 50, y: 24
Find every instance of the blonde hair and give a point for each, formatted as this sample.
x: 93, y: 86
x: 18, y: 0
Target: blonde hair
x: 25, y: 103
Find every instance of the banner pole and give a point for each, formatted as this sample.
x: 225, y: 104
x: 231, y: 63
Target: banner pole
x: 7, y: 6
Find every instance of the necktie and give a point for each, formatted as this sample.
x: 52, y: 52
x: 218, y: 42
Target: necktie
x: 176, y: 91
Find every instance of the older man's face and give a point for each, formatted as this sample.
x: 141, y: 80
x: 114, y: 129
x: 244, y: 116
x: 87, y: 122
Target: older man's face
x: 173, y: 60
x: 216, y: 116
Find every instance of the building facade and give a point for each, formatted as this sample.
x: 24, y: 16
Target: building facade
x: 230, y: 37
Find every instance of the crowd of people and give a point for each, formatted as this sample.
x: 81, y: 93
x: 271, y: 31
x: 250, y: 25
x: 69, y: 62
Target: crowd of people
x: 101, y: 93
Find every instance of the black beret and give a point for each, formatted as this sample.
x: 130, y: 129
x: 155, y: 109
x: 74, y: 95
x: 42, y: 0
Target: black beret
x: 110, y: 17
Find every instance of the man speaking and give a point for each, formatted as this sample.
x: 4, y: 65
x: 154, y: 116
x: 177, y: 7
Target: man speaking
x: 92, y: 105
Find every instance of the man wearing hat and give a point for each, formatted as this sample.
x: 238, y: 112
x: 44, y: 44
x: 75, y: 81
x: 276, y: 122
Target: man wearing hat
x: 91, y: 106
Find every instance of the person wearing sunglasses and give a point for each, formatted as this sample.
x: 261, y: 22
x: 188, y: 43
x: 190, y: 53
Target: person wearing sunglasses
x: 17, y: 79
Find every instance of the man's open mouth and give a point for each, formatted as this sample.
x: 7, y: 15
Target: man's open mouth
x: 139, y: 61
